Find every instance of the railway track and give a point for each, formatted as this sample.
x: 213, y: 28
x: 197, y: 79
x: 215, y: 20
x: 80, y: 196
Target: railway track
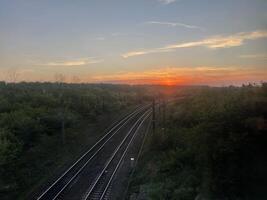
x: 67, y: 178
x: 99, y: 189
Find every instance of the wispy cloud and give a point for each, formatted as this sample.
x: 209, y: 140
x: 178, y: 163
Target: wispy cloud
x: 215, y: 75
x: 100, y: 38
x: 78, y: 62
x: 174, y: 24
x: 215, y: 42
x: 167, y: 1
x: 254, y: 56
x: 117, y: 34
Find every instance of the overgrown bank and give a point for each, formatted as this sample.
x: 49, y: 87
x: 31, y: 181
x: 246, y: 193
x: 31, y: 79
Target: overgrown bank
x: 43, y: 126
x: 212, y: 147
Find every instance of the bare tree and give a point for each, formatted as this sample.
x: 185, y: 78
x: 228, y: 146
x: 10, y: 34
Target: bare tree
x: 75, y: 79
x: 12, y: 75
x: 59, y: 78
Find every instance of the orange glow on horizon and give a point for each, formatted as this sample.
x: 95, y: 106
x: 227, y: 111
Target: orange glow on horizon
x: 187, y: 76
x: 169, y: 76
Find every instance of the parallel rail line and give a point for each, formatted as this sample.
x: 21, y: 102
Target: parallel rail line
x: 103, y: 181
x: 58, y: 186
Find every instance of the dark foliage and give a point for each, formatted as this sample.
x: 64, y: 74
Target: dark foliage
x: 213, y: 147
x: 40, y: 126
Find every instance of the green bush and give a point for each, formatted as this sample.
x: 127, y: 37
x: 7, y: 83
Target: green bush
x: 41, y: 127
x: 213, y: 146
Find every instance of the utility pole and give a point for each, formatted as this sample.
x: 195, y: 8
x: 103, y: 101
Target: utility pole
x: 159, y: 113
x: 164, y: 116
x: 103, y: 103
x: 153, y: 116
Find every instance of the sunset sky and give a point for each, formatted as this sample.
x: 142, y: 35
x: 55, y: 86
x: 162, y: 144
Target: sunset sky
x: 214, y: 42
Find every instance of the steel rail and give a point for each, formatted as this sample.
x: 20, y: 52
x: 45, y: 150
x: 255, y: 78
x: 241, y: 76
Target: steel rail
x: 91, y: 157
x: 113, y: 155
x: 122, y: 157
x: 121, y: 122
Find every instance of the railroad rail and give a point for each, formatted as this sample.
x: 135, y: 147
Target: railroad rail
x: 61, y: 183
x: 100, y: 187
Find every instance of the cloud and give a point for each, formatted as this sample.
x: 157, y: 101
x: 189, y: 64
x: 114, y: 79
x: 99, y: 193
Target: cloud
x: 186, y: 76
x: 101, y: 38
x: 254, y: 56
x: 117, y: 34
x: 166, y: 1
x: 174, y: 24
x: 80, y: 62
x: 143, y: 52
x: 215, y: 42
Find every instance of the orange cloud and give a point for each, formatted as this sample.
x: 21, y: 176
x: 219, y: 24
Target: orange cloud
x: 212, y: 43
x: 162, y: 76
x: 80, y: 62
x: 187, y: 76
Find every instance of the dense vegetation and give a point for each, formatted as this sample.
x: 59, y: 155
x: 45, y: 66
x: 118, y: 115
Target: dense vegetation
x: 45, y: 125
x: 211, y: 145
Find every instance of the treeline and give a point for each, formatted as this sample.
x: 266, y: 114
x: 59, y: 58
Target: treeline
x: 211, y: 145
x: 43, y: 125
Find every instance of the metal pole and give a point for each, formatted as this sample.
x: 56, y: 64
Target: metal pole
x: 153, y: 116
x: 164, y: 116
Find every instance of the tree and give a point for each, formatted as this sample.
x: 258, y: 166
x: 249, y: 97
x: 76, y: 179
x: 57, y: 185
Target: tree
x: 12, y: 75
x: 10, y: 149
x: 59, y: 78
x: 75, y: 79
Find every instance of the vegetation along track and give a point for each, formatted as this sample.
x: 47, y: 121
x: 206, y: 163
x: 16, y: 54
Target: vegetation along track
x: 61, y: 183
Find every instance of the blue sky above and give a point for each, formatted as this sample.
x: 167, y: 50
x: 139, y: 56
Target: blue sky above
x: 90, y: 39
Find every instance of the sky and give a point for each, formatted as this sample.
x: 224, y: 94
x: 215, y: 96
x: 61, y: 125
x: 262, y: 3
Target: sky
x: 185, y: 42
